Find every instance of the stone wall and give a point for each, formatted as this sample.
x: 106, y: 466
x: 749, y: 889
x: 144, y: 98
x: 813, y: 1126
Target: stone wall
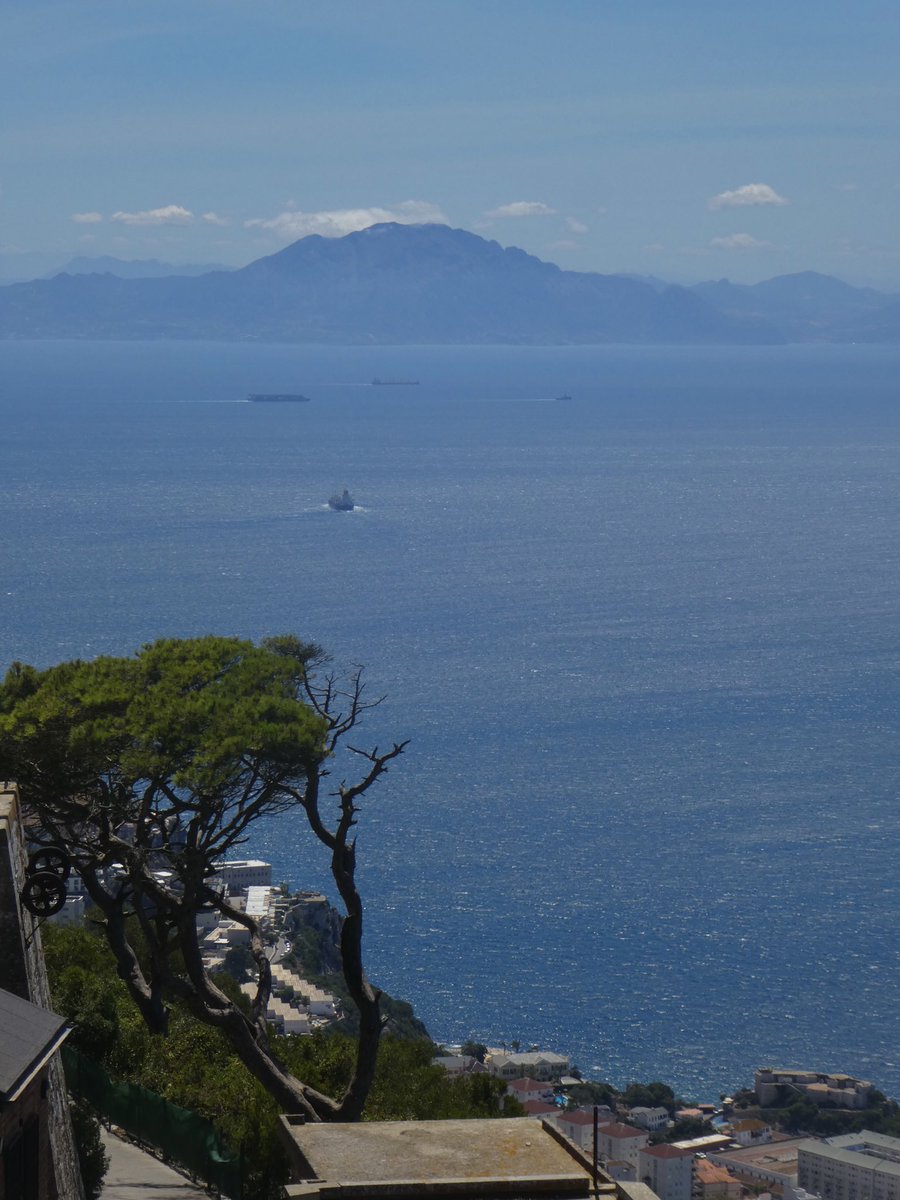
x: 24, y: 973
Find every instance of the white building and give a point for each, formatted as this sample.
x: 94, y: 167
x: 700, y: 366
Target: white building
x: 651, y: 1119
x: 311, y: 998
x: 578, y: 1126
x: 455, y: 1064
x: 667, y: 1170
x: 622, y: 1143
x: 243, y: 873
x: 751, y: 1132
x: 261, y: 902
x: 529, y: 1089
x: 854, y: 1166
x: 540, y: 1065
x: 226, y: 934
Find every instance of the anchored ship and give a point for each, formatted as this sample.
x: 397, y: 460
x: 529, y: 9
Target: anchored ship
x: 277, y: 398
x: 342, y: 502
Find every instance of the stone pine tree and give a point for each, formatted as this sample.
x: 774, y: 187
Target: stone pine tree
x: 150, y: 770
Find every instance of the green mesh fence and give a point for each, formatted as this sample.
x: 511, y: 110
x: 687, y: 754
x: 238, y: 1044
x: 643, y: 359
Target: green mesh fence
x: 177, y: 1133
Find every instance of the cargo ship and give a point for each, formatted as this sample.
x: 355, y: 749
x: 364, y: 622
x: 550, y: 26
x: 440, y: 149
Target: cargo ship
x: 376, y: 382
x: 277, y: 398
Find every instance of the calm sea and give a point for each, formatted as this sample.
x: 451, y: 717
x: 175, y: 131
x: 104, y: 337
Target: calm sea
x: 643, y: 641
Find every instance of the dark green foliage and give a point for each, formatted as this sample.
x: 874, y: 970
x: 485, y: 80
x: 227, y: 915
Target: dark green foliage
x: 307, y: 950
x: 238, y: 962
x: 402, y: 1021
x: 85, y: 988
x: 407, y: 1086
x: 160, y: 763
x: 93, y: 1160
x: 474, y: 1050
x: 194, y: 1066
x: 687, y: 1127
x: 650, y: 1095
x: 804, y: 1116
x: 589, y: 1092
x: 178, y: 710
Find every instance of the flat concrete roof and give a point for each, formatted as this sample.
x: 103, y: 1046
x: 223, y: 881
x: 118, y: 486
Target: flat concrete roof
x: 512, y: 1155
x: 874, y: 1151
x: 779, y: 1157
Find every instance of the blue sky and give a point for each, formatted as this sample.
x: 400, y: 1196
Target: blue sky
x: 685, y: 139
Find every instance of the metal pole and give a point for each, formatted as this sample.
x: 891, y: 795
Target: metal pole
x: 596, y: 1150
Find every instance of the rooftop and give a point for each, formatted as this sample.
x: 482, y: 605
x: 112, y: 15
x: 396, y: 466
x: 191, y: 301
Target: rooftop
x: 708, y: 1172
x: 506, y: 1156
x: 779, y: 1157
x: 877, y: 1151
x: 707, y: 1141
x: 539, y: 1108
x: 615, y: 1130
x: 666, y: 1150
x: 28, y: 1037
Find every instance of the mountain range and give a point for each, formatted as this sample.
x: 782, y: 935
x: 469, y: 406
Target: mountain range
x: 394, y: 284
x: 135, y: 268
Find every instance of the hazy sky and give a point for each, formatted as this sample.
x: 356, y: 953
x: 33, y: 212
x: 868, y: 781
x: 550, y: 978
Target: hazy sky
x: 684, y: 138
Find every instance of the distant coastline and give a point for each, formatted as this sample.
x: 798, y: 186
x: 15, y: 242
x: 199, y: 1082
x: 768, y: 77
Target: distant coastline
x: 366, y: 288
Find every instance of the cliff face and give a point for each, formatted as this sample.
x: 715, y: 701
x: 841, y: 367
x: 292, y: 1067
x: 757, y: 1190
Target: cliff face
x: 314, y: 929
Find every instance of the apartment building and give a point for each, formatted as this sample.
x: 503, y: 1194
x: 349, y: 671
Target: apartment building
x: 667, y: 1170
x: 853, y: 1166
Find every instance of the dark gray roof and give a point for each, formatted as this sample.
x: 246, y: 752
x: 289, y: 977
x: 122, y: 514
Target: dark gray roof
x: 27, y: 1035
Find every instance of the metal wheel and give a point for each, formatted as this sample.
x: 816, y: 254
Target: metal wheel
x: 44, y: 894
x: 50, y: 858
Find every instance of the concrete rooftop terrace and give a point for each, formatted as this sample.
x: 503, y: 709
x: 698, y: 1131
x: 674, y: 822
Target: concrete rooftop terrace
x: 513, y: 1156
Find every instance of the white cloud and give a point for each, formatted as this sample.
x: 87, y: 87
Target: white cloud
x: 846, y: 187
x: 750, y: 193
x: 564, y: 244
x: 521, y: 208
x: 172, y: 214
x: 737, y: 241
x: 340, y: 221
x: 576, y: 226
x: 87, y: 218
x: 212, y: 218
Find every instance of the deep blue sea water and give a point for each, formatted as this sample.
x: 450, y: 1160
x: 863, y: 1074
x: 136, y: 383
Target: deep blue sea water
x: 644, y: 643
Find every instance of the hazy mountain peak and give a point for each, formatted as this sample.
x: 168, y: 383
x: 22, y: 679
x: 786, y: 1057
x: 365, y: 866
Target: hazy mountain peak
x: 395, y: 283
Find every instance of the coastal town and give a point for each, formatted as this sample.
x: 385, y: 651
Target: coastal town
x: 731, y: 1152
x: 738, y: 1156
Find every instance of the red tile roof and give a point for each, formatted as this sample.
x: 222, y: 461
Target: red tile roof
x: 586, y: 1118
x: 616, y: 1130
x: 537, y: 1108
